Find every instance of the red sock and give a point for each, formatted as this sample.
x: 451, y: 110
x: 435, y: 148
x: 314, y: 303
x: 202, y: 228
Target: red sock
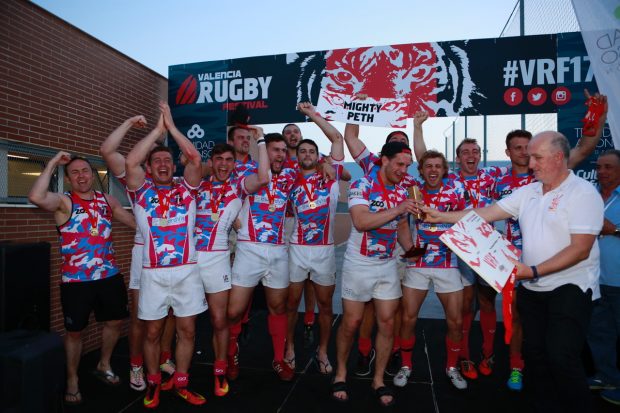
x: 406, y: 351
x: 246, y: 315
x: 516, y: 361
x: 488, y: 324
x: 164, y: 356
x: 180, y: 380
x: 309, y: 318
x: 136, y: 361
x: 467, y: 319
x: 277, y: 330
x: 364, y: 345
x: 154, y: 378
x: 233, y: 332
x: 396, y: 345
x: 452, y: 353
x: 219, y: 367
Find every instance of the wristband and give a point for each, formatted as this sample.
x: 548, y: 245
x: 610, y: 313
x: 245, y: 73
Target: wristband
x: 535, y: 276
x: 260, y: 141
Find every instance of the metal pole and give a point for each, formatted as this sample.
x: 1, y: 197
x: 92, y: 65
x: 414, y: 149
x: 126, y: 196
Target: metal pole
x: 466, y: 134
x: 522, y: 33
x: 484, y: 137
x: 454, y: 145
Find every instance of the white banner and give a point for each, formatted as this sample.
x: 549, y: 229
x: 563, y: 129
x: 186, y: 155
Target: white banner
x: 484, y: 249
x: 390, y: 112
x: 599, y: 21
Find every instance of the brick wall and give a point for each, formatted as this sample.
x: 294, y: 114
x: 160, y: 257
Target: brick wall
x: 61, y: 88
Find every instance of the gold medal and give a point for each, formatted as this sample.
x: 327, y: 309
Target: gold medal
x: 272, y: 208
x: 163, y: 222
x: 215, y: 216
x: 312, y: 205
x: 94, y: 232
x: 433, y: 228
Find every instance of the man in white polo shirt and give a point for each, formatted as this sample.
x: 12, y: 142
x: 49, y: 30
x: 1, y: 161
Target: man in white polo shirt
x: 560, y: 217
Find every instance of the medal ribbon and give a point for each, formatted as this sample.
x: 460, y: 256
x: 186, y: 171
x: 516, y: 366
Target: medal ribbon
x: 384, y: 190
x: 431, y: 201
x: 271, y: 191
x: 311, y: 195
x: 93, y: 215
x: 215, y: 205
x: 467, y: 185
x: 164, y: 203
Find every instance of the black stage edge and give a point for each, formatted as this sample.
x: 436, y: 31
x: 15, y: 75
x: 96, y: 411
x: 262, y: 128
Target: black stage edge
x: 259, y: 390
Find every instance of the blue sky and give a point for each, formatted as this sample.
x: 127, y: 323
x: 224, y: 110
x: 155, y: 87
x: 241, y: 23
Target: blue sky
x: 162, y: 33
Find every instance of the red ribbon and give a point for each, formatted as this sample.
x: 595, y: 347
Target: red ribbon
x: 94, y: 219
x: 507, y: 298
x: 385, y: 192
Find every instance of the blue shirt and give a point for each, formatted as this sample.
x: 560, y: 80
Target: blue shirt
x: 610, y: 244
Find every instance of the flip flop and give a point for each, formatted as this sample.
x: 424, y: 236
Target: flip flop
x: 77, y: 398
x: 325, y: 367
x: 385, y: 391
x: 340, y: 386
x: 290, y: 362
x: 107, y: 377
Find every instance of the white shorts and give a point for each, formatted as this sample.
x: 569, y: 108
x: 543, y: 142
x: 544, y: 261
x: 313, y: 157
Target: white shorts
x: 262, y: 262
x: 215, y: 271
x: 364, y: 279
x: 401, y: 263
x: 468, y: 276
x: 317, y: 260
x: 444, y: 280
x: 177, y: 287
x: 136, y: 266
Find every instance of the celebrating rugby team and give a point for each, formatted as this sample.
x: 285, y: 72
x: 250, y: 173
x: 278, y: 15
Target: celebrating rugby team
x: 206, y: 239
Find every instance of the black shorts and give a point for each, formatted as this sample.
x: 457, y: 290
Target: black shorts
x: 107, y: 297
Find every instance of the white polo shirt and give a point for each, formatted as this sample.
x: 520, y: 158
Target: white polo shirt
x: 547, y: 222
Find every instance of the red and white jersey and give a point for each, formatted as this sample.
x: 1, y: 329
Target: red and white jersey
x: 166, y: 217
x: 262, y: 213
x: 86, y: 240
x: 314, y: 201
x: 367, y: 161
x: 449, y: 197
x: 245, y: 167
x: 479, y: 190
x: 504, y: 186
x: 217, y: 207
x: 369, y: 191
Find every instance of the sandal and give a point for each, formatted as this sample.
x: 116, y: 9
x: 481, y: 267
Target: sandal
x: 385, y: 391
x: 290, y: 362
x: 107, y: 377
x: 340, y: 386
x: 324, y: 367
x: 76, y: 398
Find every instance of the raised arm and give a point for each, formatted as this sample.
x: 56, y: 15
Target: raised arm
x: 41, y: 196
x: 586, y: 144
x: 351, y: 138
x: 419, y: 147
x: 254, y: 182
x: 137, y: 156
x: 326, y: 127
x: 193, y: 169
x: 109, y: 147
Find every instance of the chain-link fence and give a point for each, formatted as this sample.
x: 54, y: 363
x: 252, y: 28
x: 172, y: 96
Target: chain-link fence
x: 538, y: 17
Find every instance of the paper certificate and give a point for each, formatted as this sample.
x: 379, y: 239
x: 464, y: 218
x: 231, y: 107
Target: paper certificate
x: 484, y: 249
x: 390, y: 112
